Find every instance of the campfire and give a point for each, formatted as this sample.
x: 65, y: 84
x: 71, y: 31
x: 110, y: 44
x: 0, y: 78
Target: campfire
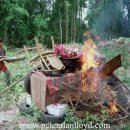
x: 95, y: 92
x: 90, y: 74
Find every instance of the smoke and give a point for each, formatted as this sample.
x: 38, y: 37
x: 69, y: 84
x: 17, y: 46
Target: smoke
x: 108, y: 22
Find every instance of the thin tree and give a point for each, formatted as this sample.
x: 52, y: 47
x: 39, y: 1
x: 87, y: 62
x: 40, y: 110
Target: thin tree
x: 60, y: 25
x: 66, y: 5
x: 74, y: 15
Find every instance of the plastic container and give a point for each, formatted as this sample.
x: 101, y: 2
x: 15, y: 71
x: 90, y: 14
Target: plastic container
x: 56, y: 109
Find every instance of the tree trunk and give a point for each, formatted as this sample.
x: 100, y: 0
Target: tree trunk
x: 60, y: 25
x: 6, y: 34
x: 72, y: 18
x: 66, y: 22
x: 74, y: 24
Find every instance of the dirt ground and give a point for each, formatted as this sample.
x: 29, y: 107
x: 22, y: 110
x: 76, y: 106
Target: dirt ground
x: 10, y: 118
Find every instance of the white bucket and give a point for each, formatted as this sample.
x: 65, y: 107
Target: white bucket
x: 56, y: 109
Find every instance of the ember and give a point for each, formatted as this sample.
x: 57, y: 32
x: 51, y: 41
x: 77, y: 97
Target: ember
x: 113, y: 107
x: 110, y: 99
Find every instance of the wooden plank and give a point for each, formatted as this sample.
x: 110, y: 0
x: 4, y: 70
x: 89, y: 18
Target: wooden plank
x: 109, y: 67
x: 55, y: 62
x: 43, y: 55
x: 12, y: 59
x: 33, y: 87
x: 43, y: 95
x: 12, y: 85
x: 38, y: 91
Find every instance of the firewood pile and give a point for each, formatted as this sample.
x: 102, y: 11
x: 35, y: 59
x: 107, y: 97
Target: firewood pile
x: 113, y: 96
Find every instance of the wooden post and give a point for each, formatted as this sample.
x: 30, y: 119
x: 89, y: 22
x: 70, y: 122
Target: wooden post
x: 53, y: 43
x: 12, y: 59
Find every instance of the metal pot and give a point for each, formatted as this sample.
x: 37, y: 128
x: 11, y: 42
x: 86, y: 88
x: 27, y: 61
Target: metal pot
x: 71, y: 64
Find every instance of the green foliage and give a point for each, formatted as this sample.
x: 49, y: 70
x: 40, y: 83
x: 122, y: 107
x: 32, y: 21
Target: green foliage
x: 95, y: 118
x: 33, y: 114
x: 123, y: 40
x: 110, y: 52
x: 20, y: 11
x: 22, y: 20
x: 126, y: 127
x: 40, y: 22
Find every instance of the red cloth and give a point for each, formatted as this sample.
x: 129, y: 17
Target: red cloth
x: 54, y: 83
x: 2, y: 64
x: 3, y: 67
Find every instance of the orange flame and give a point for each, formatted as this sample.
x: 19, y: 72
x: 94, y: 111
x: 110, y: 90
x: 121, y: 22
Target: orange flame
x: 113, y: 107
x: 109, y: 95
x: 88, y: 61
x: 89, y: 73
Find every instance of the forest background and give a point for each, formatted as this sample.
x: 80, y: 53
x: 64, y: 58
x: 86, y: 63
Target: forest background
x: 66, y: 20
